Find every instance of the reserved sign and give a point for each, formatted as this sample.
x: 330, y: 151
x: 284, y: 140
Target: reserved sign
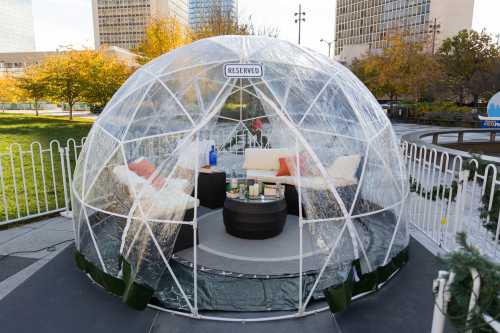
x: 243, y: 71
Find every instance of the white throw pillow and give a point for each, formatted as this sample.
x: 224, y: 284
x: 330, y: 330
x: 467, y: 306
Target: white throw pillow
x: 264, y: 159
x: 166, y: 203
x: 345, y: 167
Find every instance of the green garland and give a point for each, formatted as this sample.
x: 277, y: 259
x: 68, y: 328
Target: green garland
x: 441, y: 192
x: 489, y: 216
x: 488, y: 302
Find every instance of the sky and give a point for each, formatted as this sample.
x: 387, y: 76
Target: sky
x: 69, y: 22
x: 64, y: 22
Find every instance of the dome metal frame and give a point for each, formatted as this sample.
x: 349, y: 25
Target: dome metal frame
x: 366, y: 115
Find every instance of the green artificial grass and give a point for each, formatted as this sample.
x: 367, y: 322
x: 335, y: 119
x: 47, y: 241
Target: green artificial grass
x: 28, y: 195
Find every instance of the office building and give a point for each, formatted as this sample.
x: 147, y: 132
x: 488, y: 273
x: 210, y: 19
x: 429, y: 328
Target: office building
x: 123, y: 23
x: 200, y: 11
x: 16, y: 26
x: 362, y: 26
x: 15, y: 63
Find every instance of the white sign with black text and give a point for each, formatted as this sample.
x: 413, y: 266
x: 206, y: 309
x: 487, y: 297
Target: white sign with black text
x: 243, y: 71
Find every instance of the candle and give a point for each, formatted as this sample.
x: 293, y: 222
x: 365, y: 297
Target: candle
x: 253, y: 190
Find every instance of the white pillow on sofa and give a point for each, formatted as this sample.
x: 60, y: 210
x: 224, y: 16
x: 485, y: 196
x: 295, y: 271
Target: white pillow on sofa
x: 345, y: 167
x: 264, y: 159
x: 166, y: 203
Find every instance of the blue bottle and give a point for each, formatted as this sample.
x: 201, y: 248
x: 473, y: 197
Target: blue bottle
x: 212, y: 157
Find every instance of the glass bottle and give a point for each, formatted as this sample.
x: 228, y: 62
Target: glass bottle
x: 213, y: 157
x: 234, y: 180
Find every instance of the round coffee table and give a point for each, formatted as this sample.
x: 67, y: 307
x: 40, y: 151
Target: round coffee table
x: 259, y: 218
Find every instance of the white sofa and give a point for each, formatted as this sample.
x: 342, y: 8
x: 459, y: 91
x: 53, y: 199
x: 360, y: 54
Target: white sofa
x: 167, y: 202
x: 263, y: 165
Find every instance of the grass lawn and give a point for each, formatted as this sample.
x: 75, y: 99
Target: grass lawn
x: 26, y: 129
x: 31, y: 183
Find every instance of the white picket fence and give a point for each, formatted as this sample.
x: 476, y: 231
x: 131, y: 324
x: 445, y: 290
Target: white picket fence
x: 36, y: 182
x: 456, y: 203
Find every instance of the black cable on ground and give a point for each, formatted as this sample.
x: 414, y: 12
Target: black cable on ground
x: 4, y: 256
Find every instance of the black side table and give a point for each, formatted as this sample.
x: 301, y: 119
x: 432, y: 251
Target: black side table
x: 212, y: 189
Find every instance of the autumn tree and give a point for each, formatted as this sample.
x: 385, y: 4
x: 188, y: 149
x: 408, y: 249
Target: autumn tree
x: 102, y: 77
x: 33, y: 86
x: 368, y: 70
x: 85, y: 76
x: 65, y: 78
x: 464, y: 57
x: 8, y: 90
x: 162, y: 35
x: 402, y: 68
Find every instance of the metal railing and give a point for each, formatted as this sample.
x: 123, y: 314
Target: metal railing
x: 448, y: 197
x: 36, y: 182
x: 452, y: 192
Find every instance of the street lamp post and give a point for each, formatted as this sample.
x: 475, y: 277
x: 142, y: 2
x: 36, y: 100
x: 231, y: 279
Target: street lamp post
x: 329, y: 45
x: 300, y: 18
x: 434, y: 30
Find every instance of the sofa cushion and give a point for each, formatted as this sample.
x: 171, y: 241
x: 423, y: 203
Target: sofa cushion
x: 345, y: 167
x: 319, y: 183
x: 315, y: 182
x: 269, y: 176
x: 169, y: 202
x: 264, y: 159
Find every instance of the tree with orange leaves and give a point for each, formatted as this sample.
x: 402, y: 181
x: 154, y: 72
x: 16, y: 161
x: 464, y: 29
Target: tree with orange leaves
x: 402, y: 68
x: 162, y: 35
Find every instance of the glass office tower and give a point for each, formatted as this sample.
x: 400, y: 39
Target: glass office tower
x: 16, y: 26
x: 201, y: 10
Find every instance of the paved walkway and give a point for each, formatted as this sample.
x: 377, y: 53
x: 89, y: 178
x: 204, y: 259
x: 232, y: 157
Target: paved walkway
x: 403, y: 128
x: 60, y: 298
x: 35, y: 236
x: 54, y: 113
x: 27, y: 248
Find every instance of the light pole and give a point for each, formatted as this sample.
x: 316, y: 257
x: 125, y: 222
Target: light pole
x: 299, y: 18
x: 329, y: 45
x: 434, y: 30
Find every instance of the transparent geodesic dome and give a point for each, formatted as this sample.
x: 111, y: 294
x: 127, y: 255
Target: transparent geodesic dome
x: 168, y: 112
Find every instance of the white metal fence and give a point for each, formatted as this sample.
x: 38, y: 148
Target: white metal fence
x: 446, y: 197
x: 451, y: 195
x: 36, y: 181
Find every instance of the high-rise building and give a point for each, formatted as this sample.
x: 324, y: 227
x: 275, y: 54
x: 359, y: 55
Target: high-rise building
x: 123, y: 23
x: 16, y: 26
x: 201, y: 10
x: 362, y: 26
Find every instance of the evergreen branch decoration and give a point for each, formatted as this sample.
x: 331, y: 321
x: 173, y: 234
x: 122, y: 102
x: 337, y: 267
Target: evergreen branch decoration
x: 489, y: 216
x: 438, y: 192
x: 488, y: 301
